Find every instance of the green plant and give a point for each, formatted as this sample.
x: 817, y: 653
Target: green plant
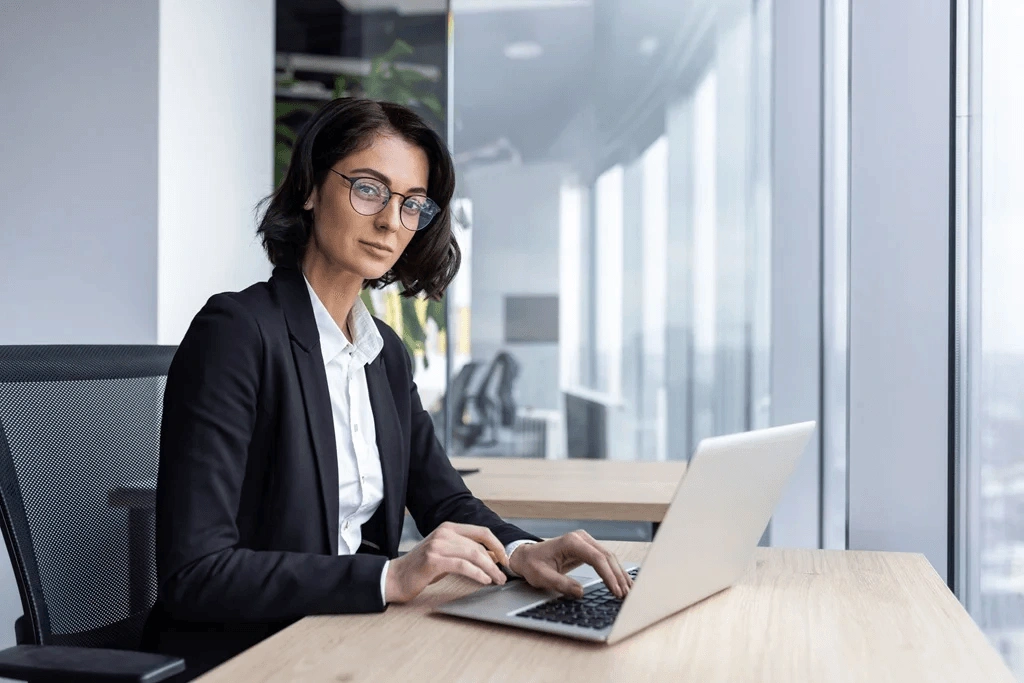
x: 386, y: 81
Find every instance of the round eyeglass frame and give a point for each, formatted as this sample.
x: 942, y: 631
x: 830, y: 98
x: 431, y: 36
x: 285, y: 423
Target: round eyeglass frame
x: 429, y: 203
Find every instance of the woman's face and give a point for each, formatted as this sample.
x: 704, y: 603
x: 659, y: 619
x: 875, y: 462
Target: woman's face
x: 367, y: 246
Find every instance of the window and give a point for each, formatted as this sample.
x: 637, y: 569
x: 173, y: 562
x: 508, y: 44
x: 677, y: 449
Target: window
x: 835, y: 239
x: 990, y: 213
x: 608, y: 226
x: 616, y: 157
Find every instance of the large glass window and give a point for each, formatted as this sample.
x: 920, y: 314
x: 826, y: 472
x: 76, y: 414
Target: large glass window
x: 613, y: 164
x: 992, y: 213
x: 835, y: 280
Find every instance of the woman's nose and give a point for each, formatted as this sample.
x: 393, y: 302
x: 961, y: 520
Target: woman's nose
x: 390, y: 216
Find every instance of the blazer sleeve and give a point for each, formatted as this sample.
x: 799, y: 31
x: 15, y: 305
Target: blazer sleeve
x: 436, y: 491
x: 210, y: 407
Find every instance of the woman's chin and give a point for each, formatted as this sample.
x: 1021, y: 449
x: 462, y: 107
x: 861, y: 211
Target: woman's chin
x: 374, y: 273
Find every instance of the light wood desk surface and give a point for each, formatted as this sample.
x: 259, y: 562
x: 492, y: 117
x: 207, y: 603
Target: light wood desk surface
x: 573, y: 489
x: 797, y: 615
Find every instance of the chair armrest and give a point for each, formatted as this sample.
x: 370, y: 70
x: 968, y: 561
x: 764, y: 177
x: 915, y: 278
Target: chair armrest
x: 54, y: 663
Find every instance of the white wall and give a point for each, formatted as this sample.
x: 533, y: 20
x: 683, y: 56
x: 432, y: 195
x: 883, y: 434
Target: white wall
x: 215, y: 151
x: 78, y: 171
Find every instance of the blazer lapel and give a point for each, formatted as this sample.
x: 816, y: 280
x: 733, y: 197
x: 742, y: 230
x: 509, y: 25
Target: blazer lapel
x: 389, y: 444
x: 309, y: 362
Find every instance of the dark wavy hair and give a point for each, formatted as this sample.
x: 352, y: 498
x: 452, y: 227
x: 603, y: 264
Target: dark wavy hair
x: 340, y: 128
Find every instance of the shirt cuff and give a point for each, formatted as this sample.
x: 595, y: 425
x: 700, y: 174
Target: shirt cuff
x: 511, y: 548
x: 384, y: 582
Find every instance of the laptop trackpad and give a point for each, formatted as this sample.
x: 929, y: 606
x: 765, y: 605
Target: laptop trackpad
x: 517, y: 593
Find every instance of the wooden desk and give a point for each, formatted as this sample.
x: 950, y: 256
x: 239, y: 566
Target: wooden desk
x: 798, y: 615
x: 573, y: 489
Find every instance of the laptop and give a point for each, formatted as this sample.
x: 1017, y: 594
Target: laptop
x: 705, y: 543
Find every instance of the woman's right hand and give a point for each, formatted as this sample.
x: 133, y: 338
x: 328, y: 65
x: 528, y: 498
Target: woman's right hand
x: 452, y: 548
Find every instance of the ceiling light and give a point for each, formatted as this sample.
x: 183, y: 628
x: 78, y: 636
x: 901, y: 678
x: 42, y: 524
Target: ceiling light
x: 648, y: 46
x: 523, y: 50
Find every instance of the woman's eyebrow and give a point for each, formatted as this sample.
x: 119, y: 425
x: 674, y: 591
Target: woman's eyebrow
x: 384, y: 179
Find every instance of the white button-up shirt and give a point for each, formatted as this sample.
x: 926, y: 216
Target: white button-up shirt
x: 360, y: 478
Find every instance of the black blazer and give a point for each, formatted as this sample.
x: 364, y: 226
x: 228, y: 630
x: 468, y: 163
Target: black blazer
x: 247, y: 495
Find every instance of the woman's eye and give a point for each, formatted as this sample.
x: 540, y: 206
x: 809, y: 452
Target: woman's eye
x: 368, y: 190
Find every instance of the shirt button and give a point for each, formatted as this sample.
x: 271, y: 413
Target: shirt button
x: 355, y: 427
x: 345, y: 525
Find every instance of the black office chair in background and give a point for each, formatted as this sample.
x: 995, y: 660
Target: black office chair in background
x: 481, y: 409
x: 464, y: 431
x: 79, y: 433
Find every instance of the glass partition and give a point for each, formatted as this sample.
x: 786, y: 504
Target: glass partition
x: 613, y: 163
x: 990, y: 210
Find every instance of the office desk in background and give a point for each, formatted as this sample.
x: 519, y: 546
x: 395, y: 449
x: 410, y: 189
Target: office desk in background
x: 573, y: 489
x: 797, y: 615
x: 536, y: 489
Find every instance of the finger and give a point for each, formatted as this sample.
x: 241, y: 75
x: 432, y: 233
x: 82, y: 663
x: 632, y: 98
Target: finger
x: 482, y: 535
x: 624, y: 578
x: 597, y: 559
x: 617, y: 569
x: 620, y: 571
x: 466, y: 549
x: 548, y: 578
x: 462, y: 567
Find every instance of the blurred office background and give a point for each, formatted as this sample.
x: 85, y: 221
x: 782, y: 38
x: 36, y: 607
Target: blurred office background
x: 678, y: 219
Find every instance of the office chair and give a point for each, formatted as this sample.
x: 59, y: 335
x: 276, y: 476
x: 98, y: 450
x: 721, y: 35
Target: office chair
x: 79, y: 432
x: 509, y: 373
x: 465, y: 431
x: 490, y: 405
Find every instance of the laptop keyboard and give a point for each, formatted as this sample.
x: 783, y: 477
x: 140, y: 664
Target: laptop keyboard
x: 597, y: 608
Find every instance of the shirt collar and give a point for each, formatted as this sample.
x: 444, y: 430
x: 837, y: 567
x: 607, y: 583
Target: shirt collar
x: 367, y: 342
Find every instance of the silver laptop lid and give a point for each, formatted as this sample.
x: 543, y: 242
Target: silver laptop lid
x: 717, y: 516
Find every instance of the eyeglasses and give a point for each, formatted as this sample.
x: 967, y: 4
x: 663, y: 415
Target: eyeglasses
x: 369, y: 196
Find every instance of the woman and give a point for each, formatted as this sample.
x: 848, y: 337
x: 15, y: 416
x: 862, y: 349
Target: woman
x: 293, y: 436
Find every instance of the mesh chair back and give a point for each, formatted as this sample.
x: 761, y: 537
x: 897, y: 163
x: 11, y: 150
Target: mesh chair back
x: 79, y: 450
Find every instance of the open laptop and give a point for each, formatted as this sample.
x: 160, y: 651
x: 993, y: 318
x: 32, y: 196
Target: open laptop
x: 705, y: 543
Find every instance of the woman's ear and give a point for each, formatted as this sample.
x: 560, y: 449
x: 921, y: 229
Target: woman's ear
x: 310, y: 200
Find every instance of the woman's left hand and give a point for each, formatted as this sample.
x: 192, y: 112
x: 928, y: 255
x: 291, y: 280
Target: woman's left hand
x: 544, y: 564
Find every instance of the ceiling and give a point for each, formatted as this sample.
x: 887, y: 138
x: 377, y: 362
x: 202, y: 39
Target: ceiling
x: 595, y: 87
x: 598, y: 88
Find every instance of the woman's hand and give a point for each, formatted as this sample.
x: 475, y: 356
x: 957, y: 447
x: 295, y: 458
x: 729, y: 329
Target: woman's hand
x: 544, y: 564
x: 463, y: 549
